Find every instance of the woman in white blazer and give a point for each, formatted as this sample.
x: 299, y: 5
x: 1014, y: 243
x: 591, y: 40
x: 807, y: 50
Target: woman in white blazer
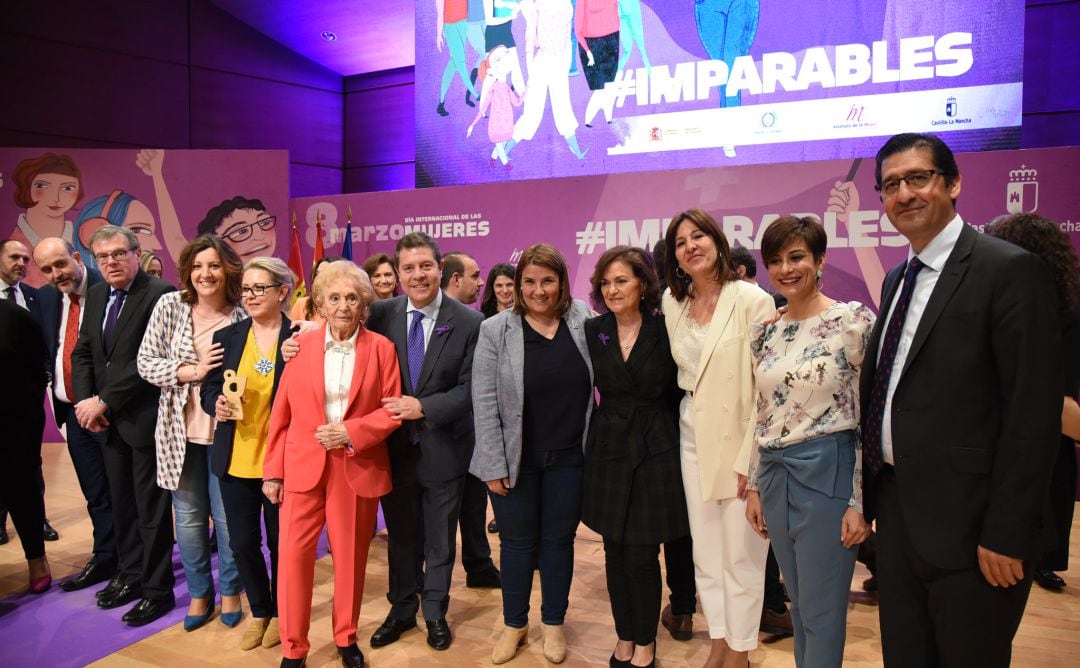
x: 708, y: 313
x: 532, y: 399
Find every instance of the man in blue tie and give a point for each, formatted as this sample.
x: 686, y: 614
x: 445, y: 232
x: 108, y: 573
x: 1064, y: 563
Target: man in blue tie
x: 429, y: 456
x: 961, y: 408
x: 112, y: 399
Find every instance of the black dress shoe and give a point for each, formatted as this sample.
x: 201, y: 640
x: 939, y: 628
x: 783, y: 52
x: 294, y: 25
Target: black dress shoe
x: 1048, y: 579
x: 485, y: 579
x: 91, y: 574
x: 351, y: 656
x: 438, y: 634
x: 391, y: 630
x: 3, y: 535
x: 49, y: 533
x: 148, y: 610
x: 114, y: 583
x: 293, y: 663
x: 493, y: 527
x: 126, y: 593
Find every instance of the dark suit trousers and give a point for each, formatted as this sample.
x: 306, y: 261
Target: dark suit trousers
x: 421, y: 513
x: 475, y: 549
x: 142, y: 516
x: 933, y: 617
x: 245, y: 508
x: 86, y: 455
x: 633, y: 583
x: 679, y: 563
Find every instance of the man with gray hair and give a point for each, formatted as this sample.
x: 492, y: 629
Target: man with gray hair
x: 112, y: 399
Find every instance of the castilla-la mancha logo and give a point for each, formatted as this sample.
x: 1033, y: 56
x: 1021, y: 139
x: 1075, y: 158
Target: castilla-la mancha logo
x: 1022, y: 193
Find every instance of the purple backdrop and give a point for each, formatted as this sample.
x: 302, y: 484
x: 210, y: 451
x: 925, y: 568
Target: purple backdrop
x: 583, y: 216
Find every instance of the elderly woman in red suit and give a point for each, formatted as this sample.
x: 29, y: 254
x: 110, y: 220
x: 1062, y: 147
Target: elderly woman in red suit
x: 326, y: 458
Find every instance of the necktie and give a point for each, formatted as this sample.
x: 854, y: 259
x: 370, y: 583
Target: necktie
x: 71, y: 335
x: 872, y: 453
x: 416, y: 348
x: 111, y: 316
x: 416, y: 362
x: 11, y: 293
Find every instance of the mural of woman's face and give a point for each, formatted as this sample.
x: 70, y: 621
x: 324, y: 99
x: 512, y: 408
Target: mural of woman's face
x: 249, y: 232
x: 140, y: 221
x: 54, y: 194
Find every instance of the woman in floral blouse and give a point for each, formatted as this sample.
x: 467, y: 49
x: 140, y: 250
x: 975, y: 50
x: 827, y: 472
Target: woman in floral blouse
x: 804, y: 473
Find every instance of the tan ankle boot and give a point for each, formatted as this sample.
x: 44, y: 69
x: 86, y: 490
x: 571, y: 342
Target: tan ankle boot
x: 272, y: 637
x: 508, y: 644
x: 554, y: 643
x: 253, y: 634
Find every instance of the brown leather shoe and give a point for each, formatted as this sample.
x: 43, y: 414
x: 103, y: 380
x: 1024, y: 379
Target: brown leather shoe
x: 776, y: 623
x: 681, y: 627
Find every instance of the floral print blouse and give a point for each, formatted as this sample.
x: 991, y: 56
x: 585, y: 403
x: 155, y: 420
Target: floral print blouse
x: 807, y: 374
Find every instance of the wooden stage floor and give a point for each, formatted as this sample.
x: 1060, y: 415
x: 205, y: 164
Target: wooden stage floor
x: 1048, y: 636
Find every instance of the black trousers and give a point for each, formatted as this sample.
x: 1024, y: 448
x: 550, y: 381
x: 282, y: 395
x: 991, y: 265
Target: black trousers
x: 246, y: 510
x: 1062, y: 504
x: 633, y: 582
x: 475, y: 549
x: 142, y: 516
x: 934, y: 617
x: 88, y: 459
x: 679, y: 563
x: 421, y: 514
x: 20, y: 484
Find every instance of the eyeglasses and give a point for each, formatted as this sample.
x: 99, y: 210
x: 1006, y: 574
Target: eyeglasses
x: 115, y: 256
x: 350, y: 299
x: 915, y: 180
x: 257, y: 290
x: 244, y: 232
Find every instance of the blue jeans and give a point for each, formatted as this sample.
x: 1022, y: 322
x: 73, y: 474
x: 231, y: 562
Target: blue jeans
x: 537, y: 523
x: 196, y: 499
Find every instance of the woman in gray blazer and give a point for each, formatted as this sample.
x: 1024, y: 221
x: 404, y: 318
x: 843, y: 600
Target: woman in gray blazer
x: 532, y: 398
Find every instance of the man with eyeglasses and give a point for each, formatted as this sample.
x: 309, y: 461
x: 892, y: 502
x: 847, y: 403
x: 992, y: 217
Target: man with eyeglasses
x: 244, y: 224
x: 111, y: 398
x: 961, y: 411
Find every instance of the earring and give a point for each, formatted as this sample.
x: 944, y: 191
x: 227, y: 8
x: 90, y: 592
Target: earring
x: 819, y: 274
x: 679, y: 272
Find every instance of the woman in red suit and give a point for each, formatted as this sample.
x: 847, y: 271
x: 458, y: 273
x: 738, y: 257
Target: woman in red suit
x: 326, y: 458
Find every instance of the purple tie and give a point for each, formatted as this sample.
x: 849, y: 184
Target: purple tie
x: 416, y: 362
x: 111, y: 316
x: 872, y: 453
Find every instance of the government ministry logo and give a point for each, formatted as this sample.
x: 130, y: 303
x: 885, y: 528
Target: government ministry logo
x: 950, y: 107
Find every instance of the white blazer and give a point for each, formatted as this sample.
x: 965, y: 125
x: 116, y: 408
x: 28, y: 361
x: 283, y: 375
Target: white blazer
x: 724, y: 392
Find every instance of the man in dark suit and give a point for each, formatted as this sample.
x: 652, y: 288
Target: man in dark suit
x: 461, y: 280
x: 429, y: 456
x: 112, y: 399
x: 14, y: 260
x: 62, y: 303
x: 961, y: 408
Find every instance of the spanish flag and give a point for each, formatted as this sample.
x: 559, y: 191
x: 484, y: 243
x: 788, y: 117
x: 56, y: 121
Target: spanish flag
x: 296, y: 263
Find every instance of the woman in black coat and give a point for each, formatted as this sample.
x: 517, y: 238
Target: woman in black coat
x: 633, y: 485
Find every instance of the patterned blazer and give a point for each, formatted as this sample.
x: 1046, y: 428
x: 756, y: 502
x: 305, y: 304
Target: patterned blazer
x: 166, y: 345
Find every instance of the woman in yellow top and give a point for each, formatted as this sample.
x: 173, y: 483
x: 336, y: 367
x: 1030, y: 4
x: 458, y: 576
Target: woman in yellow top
x: 304, y: 308
x: 251, y: 349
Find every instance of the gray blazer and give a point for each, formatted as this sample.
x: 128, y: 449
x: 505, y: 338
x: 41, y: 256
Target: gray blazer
x: 498, y: 391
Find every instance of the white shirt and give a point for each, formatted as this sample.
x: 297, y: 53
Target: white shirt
x: 20, y: 298
x: 65, y: 304
x: 934, y: 256
x: 338, y: 368
x: 431, y: 314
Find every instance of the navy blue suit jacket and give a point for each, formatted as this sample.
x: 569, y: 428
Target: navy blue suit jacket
x: 51, y: 303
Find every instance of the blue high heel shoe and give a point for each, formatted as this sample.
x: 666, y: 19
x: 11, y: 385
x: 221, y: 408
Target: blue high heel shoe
x: 231, y: 619
x: 192, y: 622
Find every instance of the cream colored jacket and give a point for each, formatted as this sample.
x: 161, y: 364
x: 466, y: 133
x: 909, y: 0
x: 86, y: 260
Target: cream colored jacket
x: 724, y: 393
